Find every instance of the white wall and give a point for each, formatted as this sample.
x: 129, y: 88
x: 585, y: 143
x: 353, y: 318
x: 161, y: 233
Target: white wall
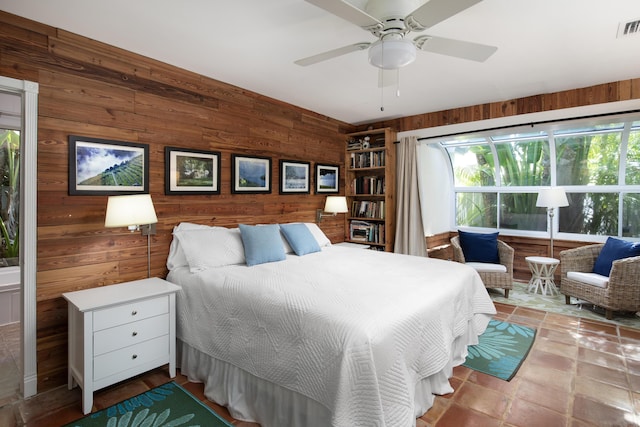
x: 436, y: 187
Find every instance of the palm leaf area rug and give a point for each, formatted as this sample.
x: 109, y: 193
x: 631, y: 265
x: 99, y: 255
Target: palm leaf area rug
x: 501, y: 349
x: 165, y: 405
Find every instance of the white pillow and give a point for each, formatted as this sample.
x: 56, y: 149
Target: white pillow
x: 322, y: 238
x: 176, y: 256
x: 211, y: 247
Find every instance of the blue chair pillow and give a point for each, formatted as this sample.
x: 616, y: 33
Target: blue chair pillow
x: 262, y: 243
x: 479, y: 247
x: 612, y: 250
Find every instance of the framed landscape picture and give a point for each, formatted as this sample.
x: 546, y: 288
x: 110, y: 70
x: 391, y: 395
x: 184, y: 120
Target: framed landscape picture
x: 294, y: 177
x: 101, y: 166
x: 191, y: 171
x: 250, y: 174
x: 327, y: 178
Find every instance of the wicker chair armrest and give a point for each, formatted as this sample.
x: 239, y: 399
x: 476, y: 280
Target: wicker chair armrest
x: 579, y: 259
x: 626, y: 272
x: 506, y: 253
x: 458, y: 255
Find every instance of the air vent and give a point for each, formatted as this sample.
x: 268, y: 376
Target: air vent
x: 629, y: 28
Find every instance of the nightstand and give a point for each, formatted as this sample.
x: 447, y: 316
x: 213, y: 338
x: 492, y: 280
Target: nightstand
x: 119, y: 331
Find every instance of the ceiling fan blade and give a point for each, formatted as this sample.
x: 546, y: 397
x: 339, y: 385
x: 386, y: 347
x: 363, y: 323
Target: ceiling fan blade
x: 330, y: 54
x: 458, y: 48
x: 387, y: 78
x: 435, y: 11
x: 348, y: 12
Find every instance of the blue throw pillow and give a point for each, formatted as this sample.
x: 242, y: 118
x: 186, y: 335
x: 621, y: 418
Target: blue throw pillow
x: 612, y: 250
x: 479, y: 247
x: 262, y: 243
x: 300, y: 238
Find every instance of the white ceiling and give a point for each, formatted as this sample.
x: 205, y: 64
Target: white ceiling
x: 543, y: 46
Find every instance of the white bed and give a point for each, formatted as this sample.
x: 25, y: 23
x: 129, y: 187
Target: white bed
x: 338, y: 337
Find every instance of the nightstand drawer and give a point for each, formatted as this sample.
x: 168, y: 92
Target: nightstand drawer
x: 130, y: 357
x: 129, y: 334
x: 131, y: 312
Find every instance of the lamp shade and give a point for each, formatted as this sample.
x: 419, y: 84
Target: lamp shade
x: 553, y: 197
x: 134, y: 209
x: 336, y: 204
x: 391, y: 54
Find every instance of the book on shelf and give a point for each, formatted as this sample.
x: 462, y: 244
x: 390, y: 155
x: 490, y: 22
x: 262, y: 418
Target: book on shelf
x: 368, y: 159
x: 362, y: 231
x: 369, y: 185
x: 368, y: 209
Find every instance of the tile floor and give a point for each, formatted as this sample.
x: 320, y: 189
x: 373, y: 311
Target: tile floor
x: 9, y: 358
x: 579, y: 373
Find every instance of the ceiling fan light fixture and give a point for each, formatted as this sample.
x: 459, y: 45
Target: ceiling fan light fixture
x: 391, y: 54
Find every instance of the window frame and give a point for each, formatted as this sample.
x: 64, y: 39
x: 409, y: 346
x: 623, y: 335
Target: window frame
x: 551, y: 129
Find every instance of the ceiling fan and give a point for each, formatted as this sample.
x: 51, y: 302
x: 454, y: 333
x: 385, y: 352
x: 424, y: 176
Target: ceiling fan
x: 391, y: 21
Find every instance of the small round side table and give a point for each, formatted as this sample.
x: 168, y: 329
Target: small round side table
x: 542, y: 269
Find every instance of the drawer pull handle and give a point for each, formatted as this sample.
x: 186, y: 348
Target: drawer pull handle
x: 134, y: 312
x: 134, y: 334
x: 135, y: 356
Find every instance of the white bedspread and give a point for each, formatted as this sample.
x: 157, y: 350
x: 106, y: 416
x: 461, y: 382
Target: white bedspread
x: 355, y: 330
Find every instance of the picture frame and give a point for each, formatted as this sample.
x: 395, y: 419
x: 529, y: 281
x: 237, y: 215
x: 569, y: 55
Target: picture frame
x: 189, y: 171
x: 327, y: 179
x: 250, y: 174
x: 294, y: 177
x: 107, y: 167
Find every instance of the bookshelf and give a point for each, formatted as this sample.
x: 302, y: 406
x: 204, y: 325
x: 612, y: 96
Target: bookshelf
x: 370, y: 188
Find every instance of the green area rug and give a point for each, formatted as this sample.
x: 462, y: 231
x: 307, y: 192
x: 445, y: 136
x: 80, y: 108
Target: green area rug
x: 502, y: 348
x: 556, y: 304
x: 166, y: 405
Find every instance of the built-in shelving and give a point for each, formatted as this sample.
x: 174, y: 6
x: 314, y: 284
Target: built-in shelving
x: 370, y: 188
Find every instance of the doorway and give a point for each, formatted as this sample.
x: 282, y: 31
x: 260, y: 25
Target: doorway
x: 19, y: 114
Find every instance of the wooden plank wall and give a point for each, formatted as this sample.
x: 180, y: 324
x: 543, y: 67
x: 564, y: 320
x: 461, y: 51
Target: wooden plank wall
x: 599, y: 94
x: 91, y: 89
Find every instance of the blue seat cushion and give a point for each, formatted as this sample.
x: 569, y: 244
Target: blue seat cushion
x: 612, y: 250
x: 479, y: 247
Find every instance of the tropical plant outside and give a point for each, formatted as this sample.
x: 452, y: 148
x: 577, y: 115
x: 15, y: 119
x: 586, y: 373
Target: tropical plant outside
x: 599, y: 166
x: 9, y: 192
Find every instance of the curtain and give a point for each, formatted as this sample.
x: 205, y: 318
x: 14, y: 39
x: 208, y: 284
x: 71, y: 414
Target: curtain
x: 410, y: 239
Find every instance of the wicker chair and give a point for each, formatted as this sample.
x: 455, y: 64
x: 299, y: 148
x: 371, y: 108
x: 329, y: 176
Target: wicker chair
x: 491, y: 279
x: 622, y: 293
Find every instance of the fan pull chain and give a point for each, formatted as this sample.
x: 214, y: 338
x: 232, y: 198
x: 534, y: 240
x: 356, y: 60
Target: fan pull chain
x: 398, y: 83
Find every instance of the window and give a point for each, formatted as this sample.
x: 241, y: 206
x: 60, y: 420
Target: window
x: 9, y: 196
x: 475, y: 164
x: 588, y: 157
x: 497, y: 176
x: 632, y: 167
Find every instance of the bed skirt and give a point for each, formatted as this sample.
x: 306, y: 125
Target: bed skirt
x: 253, y: 399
